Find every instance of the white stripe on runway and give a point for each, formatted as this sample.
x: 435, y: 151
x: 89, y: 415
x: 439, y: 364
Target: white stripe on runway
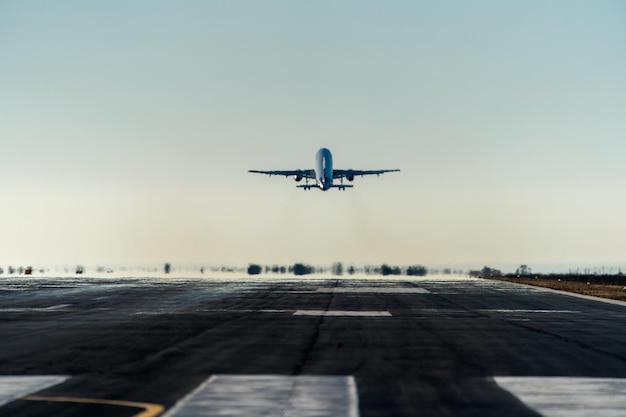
x: 571, y: 397
x: 270, y: 395
x: 342, y: 313
x: 51, y: 309
x: 225, y: 310
x: 376, y: 290
x: 14, y: 387
x: 499, y: 310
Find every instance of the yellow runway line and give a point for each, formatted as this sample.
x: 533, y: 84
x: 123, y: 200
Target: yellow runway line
x: 149, y: 410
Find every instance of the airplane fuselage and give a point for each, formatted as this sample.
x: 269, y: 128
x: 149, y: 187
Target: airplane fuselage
x: 324, y: 169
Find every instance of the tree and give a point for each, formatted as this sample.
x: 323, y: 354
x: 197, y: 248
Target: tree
x: 523, y: 270
x: 390, y: 270
x: 487, y: 272
x: 417, y: 270
x: 167, y: 267
x: 254, y: 269
x: 302, y: 269
x: 337, y: 268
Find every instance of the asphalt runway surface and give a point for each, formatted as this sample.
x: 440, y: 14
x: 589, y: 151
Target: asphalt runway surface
x: 311, y: 347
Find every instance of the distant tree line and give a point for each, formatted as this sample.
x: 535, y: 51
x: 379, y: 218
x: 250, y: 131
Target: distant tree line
x: 20, y: 270
x: 599, y: 275
x: 296, y: 269
x: 337, y: 268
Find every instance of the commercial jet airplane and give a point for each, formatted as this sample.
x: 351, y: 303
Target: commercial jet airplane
x: 324, y: 174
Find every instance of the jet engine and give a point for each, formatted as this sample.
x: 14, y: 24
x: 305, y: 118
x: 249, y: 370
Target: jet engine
x: 298, y: 176
x: 350, y: 175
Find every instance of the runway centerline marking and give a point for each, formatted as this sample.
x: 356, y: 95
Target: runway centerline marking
x: 341, y: 313
x: 569, y: 396
x: 13, y: 387
x: 149, y: 410
x: 275, y: 395
x: 375, y: 290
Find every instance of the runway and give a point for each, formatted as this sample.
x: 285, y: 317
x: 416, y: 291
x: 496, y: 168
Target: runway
x: 314, y: 347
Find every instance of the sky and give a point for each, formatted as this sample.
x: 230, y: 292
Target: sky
x: 127, y: 129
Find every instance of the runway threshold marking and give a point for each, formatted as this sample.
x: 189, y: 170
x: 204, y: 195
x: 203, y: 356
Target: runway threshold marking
x: 341, y: 313
x: 572, y: 397
x: 376, y: 290
x: 149, y: 410
x: 275, y: 395
x: 13, y: 387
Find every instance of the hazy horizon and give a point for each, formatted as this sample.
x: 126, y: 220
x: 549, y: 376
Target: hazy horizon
x: 208, y: 270
x: 128, y: 128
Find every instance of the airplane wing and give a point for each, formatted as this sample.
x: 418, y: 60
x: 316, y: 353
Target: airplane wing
x: 297, y: 173
x: 351, y: 173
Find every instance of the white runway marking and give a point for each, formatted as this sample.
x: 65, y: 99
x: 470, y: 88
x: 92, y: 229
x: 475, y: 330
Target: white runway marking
x: 14, y: 387
x: 571, y: 397
x: 271, y: 395
x: 494, y: 310
x: 342, y: 313
x: 376, y: 290
x: 224, y: 310
x: 50, y: 309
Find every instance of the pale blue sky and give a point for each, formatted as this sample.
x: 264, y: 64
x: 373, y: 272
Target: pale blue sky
x: 127, y: 129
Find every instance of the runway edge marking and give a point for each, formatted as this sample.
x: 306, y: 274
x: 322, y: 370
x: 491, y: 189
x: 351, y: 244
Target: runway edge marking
x: 262, y: 395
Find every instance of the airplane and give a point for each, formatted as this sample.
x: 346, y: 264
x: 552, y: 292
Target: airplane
x: 323, y: 174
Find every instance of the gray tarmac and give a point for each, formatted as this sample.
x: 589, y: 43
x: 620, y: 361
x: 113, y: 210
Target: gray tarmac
x: 384, y: 347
